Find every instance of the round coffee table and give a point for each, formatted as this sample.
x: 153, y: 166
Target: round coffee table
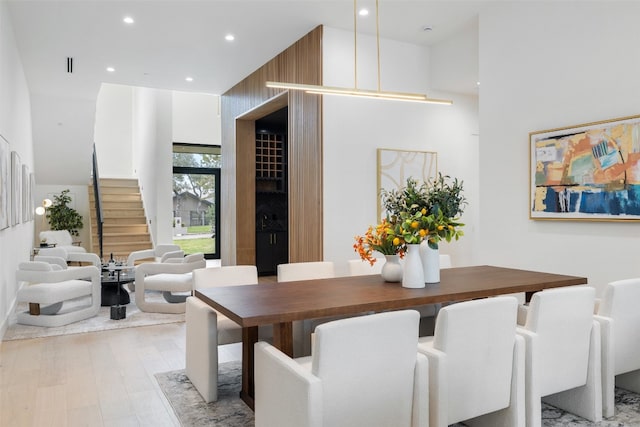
x: 112, y: 291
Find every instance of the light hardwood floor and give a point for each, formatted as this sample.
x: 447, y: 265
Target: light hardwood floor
x: 93, y: 379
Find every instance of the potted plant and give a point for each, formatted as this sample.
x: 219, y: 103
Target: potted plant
x: 63, y: 217
x: 423, y: 215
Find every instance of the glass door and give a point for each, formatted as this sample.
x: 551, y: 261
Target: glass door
x: 196, y: 199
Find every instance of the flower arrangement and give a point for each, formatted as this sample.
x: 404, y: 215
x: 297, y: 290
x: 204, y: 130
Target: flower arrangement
x: 414, y: 228
x: 414, y: 213
x: 380, y: 238
x: 426, y: 211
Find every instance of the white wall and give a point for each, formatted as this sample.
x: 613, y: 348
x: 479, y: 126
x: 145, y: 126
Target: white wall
x: 543, y: 66
x: 196, y: 118
x: 15, y: 126
x: 354, y: 128
x: 113, y: 131
x: 152, y: 158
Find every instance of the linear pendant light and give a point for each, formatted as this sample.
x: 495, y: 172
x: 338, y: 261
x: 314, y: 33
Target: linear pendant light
x: 362, y: 93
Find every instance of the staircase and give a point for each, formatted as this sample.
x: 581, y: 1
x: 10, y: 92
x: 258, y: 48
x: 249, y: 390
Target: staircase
x: 125, y: 225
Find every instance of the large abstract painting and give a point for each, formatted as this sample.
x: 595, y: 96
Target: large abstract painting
x: 586, y: 172
x: 395, y: 166
x: 5, y: 189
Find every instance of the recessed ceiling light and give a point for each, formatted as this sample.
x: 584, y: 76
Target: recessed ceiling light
x: 110, y: 69
x: 427, y: 28
x: 128, y: 20
x: 189, y: 79
x: 229, y: 37
x: 364, y: 12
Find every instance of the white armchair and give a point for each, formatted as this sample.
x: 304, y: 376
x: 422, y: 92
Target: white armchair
x: 170, y: 277
x: 54, y: 254
x: 619, y: 319
x: 158, y: 254
x: 476, y: 365
x: 562, y: 363
x: 54, y: 284
x: 206, y: 328
x: 364, y: 371
x: 62, y: 239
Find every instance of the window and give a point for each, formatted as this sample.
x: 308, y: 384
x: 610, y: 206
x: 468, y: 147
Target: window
x: 196, y: 198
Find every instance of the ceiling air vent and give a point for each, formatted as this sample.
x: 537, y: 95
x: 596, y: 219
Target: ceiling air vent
x: 69, y: 64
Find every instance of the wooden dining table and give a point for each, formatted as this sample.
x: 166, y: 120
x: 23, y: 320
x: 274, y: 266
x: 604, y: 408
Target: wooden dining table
x: 280, y: 304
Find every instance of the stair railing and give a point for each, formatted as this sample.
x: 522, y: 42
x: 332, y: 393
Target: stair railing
x: 98, y: 198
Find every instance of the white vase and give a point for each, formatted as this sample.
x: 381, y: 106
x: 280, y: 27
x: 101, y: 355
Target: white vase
x: 392, y: 270
x: 413, y: 275
x: 430, y: 263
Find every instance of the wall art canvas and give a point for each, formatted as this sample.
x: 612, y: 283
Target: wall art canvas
x: 5, y: 183
x: 395, y: 166
x: 26, y: 215
x: 586, y: 172
x: 32, y: 202
x: 16, y: 188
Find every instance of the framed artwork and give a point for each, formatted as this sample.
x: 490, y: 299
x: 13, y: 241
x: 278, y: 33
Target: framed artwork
x: 32, y: 202
x: 16, y: 188
x: 26, y: 215
x: 395, y: 166
x: 5, y: 183
x: 586, y: 172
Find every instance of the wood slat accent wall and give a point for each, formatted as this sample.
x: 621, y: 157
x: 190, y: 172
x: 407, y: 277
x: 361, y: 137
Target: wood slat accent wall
x: 241, y: 105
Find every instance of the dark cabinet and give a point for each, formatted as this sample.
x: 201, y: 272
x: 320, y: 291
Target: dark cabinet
x: 272, y: 212
x: 272, y: 248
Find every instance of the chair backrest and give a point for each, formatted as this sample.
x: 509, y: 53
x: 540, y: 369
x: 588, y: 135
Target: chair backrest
x: 358, y: 267
x: 620, y: 302
x: 162, y: 249
x: 562, y: 318
x: 445, y: 261
x: 59, y: 237
x: 196, y: 257
x: 305, y: 271
x: 54, y: 252
x: 366, y: 365
x: 231, y: 275
x: 54, y: 260
x: 478, y: 338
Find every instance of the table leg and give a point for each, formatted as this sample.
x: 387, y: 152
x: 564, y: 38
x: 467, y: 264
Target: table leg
x: 249, y: 338
x: 283, y: 337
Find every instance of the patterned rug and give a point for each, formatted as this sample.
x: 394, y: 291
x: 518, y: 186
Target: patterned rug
x: 101, y: 322
x: 230, y: 411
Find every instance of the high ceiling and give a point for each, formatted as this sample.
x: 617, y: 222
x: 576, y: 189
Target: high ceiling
x: 171, y: 40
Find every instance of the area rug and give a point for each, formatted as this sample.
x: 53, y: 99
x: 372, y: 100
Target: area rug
x: 101, y: 322
x: 231, y: 411
x: 228, y: 411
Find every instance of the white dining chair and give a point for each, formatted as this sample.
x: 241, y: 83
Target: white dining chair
x: 294, y: 271
x: 476, y: 365
x: 359, y: 267
x: 563, y: 356
x: 364, y: 371
x: 619, y: 319
x: 206, y: 328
